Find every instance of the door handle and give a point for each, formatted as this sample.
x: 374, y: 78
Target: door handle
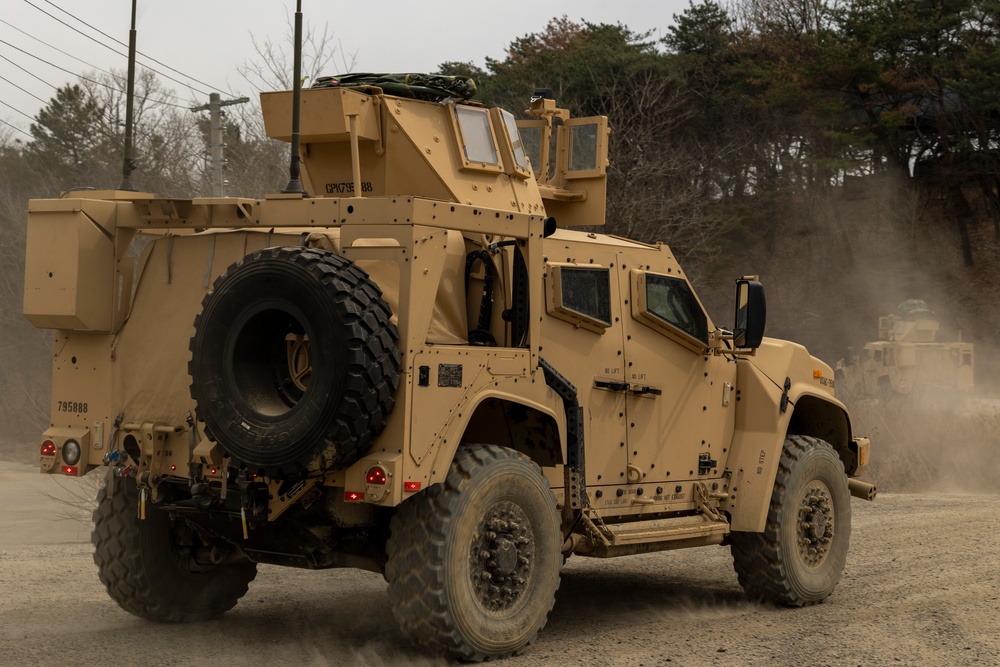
x: 613, y: 385
x: 639, y: 390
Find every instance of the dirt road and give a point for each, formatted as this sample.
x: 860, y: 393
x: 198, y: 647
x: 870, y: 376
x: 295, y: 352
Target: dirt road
x: 920, y: 588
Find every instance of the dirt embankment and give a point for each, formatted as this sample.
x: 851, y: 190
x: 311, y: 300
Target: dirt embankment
x: 920, y: 588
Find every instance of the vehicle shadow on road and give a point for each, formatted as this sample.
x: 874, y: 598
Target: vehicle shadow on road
x: 599, y: 593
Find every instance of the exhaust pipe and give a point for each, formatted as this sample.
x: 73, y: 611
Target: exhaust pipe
x: 862, y: 490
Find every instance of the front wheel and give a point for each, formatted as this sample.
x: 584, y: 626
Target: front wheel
x: 474, y: 562
x: 799, y: 557
x: 158, y: 568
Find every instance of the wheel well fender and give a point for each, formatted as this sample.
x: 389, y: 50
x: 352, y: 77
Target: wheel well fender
x: 820, y: 418
x: 536, y: 430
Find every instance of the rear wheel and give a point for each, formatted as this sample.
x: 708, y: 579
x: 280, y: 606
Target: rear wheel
x: 474, y: 562
x: 160, y: 568
x: 799, y: 557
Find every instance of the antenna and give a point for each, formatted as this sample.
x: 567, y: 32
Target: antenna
x: 294, y: 185
x: 128, y: 164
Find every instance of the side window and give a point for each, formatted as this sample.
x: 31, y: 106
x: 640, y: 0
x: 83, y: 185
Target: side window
x: 478, y: 145
x: 583, y: 148
x: 579, y: 295
x: 516, y: 143
x: 672, y: 300
x: 531, y: 141
x: 585, y: 145
x: 667, y: 304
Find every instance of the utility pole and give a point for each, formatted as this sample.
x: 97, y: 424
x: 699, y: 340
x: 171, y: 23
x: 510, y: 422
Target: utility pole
x: 216, y: 145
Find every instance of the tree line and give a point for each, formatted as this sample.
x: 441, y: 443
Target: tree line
x: 744, y: 125
x: 741, y: 110
x: 738, y: 110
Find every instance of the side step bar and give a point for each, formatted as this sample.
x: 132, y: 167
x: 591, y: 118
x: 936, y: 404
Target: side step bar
x: 608, y: 541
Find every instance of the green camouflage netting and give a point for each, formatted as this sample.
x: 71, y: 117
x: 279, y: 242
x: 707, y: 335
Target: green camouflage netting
x: 431, y: 87
x: 913, y: 307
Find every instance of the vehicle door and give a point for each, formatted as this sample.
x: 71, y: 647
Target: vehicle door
x: 680, y: 405
x: 584, y: 341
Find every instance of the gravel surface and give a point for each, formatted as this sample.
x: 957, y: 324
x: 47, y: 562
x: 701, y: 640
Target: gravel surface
x: 920, y: 588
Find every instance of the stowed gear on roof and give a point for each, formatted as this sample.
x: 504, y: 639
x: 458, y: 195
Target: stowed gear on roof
x: 428, y: 87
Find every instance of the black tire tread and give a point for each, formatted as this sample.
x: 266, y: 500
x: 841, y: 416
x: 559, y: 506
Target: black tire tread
x: 415, y: 570
x: 372, y: 358
x: 757, y: 557
x: 118, y: 554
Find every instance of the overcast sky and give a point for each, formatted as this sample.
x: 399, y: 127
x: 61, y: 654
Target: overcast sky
x: 208, y: 39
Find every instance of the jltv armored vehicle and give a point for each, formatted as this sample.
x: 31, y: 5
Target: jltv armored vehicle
x: 908, y: 359
x: 422, y: 370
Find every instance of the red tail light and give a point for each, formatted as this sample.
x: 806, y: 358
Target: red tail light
x: 353, y: 496
x: 48, y: 448
x: 411, y: 486
x: 69, y: 470
x: 375, y: 475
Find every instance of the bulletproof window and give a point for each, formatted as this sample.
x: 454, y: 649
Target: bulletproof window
x: 583, y: 148
x: 580, y: 295
x: 477, y: 137
x: 520, y: 157
x: 531, y: 142
x: 672, y: 300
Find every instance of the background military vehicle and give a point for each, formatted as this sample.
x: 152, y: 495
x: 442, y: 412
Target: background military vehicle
x: 414, y: 371
x: 907, y: 359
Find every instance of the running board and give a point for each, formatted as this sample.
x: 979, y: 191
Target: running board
x: 608, y: 541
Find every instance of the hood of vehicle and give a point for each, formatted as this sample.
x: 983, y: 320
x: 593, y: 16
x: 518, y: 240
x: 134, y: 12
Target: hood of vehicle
x: 780, y: 359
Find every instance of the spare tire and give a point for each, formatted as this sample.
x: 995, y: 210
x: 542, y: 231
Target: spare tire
x: 294, y: 363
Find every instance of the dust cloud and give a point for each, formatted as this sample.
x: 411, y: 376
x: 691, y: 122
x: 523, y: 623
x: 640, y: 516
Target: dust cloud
x: 839, y: 257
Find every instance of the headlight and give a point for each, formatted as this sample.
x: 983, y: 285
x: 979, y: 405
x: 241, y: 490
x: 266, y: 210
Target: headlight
x: 71, y: 452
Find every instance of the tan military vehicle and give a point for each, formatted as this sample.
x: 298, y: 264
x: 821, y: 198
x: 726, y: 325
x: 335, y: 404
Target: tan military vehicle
x: 908, y: 360
x: 414, y: 370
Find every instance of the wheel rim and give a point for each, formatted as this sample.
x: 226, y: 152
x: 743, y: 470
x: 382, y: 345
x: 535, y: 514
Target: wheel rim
x: 816, y: 524
x: 299, y: 360
x: 502, y: 557
x: 269, y: 362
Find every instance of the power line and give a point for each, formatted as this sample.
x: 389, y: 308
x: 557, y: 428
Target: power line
x: 15, y: 127
x: 111, y: 74
x: 17, y: 110
x: 187, y: 76
x: 55, y: 48
x: 28, y: 72
x: 80, y: 76
x: 23, y: 90
x: 96, y: 41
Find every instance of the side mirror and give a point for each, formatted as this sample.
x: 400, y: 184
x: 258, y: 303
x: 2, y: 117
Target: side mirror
x: 751, y: 313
